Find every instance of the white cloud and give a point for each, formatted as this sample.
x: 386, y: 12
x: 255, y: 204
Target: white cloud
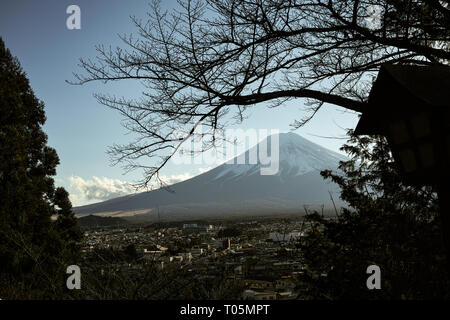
x: 86, y: 191
x: 175, y: 178
x: 97, y: 189
x: 203, y: 170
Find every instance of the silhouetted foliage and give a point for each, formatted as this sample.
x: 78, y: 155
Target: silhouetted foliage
x: 229, y: 232
x: 130, y: 252
x: 34, y: 250
x: 108, y: 275
x: 387, y: 224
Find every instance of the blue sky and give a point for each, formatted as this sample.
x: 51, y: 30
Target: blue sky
x: 78, y: 127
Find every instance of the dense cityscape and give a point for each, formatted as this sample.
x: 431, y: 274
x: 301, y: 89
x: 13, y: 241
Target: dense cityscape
x: 261, y: 256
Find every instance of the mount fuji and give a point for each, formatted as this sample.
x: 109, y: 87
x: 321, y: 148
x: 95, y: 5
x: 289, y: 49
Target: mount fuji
x: 233, y: 189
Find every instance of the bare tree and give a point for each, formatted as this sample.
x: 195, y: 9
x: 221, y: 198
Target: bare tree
x: 209, y: 61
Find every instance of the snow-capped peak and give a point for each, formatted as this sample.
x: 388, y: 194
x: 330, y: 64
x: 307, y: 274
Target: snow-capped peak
x: 294, y: 155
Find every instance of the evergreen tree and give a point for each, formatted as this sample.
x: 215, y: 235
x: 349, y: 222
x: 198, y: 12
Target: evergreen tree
x: 387, y: 224
x: 33, y: 247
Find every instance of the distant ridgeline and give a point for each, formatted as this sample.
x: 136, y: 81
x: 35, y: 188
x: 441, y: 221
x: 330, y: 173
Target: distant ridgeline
x: 92, y: 221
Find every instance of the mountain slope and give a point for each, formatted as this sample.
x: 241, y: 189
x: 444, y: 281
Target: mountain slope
x: 237, y: 189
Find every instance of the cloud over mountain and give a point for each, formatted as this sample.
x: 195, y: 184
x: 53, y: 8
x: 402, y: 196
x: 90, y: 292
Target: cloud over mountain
x: 86, y: 191
x: 97, y: 189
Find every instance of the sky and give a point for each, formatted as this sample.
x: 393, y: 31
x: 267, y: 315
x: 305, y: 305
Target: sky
x: 81, y: 129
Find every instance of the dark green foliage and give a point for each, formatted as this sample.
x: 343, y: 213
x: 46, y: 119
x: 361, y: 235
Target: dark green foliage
x: 387, y: 224
x: 130, y: 253
x: 92, y: 221
x: 229, y: 232
x: 34, y: 250
x: 108, y: 275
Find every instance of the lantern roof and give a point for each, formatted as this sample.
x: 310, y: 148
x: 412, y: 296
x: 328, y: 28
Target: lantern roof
x: 401, y: 88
